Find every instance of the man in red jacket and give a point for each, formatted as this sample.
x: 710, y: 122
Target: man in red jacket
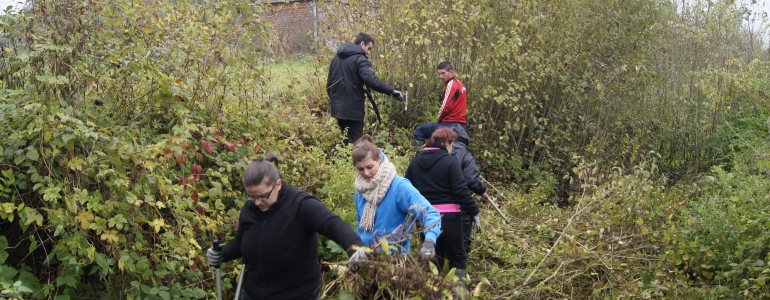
x: 453, y: 105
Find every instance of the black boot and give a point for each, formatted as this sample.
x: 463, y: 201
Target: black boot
x: 461, y: 291
x: 460, y: 273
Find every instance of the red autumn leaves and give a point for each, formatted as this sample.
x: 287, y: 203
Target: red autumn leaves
x: 206, y: 146
x: 196, y: 170
x: 209, y: 147
x: 189, y: 154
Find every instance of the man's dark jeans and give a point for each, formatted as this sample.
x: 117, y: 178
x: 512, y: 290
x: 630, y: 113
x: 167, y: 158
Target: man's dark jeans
x: 355, y: 129
x: 425, y: 131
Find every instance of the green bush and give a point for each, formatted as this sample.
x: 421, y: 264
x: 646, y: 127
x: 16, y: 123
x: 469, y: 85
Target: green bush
x: 720, y: 239
x: 125, y: 127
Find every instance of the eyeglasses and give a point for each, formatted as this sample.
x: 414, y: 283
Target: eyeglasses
x: 262, y: 197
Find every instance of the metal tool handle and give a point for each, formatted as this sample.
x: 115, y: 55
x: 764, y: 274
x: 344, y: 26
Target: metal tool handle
x: 218, y: 248
x: 486, y: 196
x: 240, y: 283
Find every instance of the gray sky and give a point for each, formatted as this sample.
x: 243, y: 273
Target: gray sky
x: 6, y: 3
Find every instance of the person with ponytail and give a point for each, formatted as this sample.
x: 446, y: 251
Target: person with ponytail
x: 277, y: 237
x: 439, y: 177
x: 387, y: 205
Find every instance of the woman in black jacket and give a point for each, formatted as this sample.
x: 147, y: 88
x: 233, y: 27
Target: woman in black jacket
x: 277, y: 237
x: 439, y: 178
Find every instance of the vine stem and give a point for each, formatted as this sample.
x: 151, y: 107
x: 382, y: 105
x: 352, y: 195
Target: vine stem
x: 578, y: 211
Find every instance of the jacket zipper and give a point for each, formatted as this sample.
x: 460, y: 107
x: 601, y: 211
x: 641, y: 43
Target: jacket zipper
x: 262, y: 269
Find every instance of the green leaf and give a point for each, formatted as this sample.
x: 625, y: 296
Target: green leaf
x: 68, y: 280
x: 345, y: 295
x: 20, y: 287
x: 761, y: 280
x: 433, y: 268
x: 165, y: 295
x: 3, y: 245
x: 67, y: 137
x: 451, y: 276
x: 101, y: 260
x: 350, y: 217
x: 8, y: 272
x: 334, y: 247
x: 32, y: 154
x: 32, y: 243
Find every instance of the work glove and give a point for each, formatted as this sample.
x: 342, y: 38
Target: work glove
x: 398, y: 95
x: 214, y: 257
x: 477, y: 223
x: 355, y: 260
x: 428, y: 249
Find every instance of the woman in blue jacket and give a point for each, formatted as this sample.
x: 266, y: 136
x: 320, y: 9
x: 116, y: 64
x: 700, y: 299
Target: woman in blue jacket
x: 387, y: 205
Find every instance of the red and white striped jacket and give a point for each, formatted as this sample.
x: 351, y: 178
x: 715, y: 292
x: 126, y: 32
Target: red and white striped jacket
x: 454, y: 104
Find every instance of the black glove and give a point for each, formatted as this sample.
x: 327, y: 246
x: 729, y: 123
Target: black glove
x: 214, y: 257
x: 398, y: 95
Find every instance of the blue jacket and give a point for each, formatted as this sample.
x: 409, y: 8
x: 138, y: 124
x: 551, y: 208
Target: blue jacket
x: 401, y: 200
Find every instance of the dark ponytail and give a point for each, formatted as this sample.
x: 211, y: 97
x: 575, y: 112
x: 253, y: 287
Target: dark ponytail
x: 262, y: 168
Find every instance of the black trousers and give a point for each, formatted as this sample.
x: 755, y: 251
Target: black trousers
x: 467, y: 226
x: 355, y: 129
x: 450, y: 243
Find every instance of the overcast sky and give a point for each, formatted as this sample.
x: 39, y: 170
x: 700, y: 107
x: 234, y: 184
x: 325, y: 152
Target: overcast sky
x: 6, y: 3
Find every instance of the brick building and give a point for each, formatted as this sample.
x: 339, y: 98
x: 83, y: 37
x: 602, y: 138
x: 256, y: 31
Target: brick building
x: 294, y: 24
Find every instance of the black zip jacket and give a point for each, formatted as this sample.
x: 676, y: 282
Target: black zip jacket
x: 280, y: 246
x: 349, y: 71
x: 439, y: 178
x: 471, y: 171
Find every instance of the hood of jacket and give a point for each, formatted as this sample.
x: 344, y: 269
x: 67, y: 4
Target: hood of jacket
x: 349, y: 49
x: 427, y: 158
x: 462, y: 135
x: 458, y: 145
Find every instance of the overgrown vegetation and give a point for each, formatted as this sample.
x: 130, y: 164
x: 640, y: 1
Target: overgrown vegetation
x: 125, y: 126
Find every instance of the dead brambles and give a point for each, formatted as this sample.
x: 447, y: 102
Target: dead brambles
x: 396, y: 276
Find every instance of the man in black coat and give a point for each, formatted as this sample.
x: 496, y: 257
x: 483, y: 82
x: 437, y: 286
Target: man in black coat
x: 472, y: 176
x: 349, y: 71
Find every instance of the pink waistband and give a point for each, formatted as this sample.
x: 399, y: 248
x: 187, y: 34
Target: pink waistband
x: 430, y: 148
x: 447, y: 208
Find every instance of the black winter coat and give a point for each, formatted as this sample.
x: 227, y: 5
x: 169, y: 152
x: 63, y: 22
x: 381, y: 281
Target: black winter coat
x: 349, y: 71
x: 280, y: 246
x: 471, y: 171
x: 439, y: 178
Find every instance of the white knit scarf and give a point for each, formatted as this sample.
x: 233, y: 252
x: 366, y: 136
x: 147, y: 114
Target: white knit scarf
x: 373, y: 192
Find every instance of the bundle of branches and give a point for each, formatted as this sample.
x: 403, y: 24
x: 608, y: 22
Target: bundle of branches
x: 393, y: 273
x: 398, y: 276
